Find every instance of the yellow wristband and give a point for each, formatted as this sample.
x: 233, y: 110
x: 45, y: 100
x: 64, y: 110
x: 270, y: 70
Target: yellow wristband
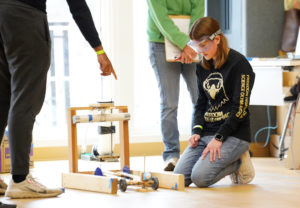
x: 100, y: 52
x: 198, y: 126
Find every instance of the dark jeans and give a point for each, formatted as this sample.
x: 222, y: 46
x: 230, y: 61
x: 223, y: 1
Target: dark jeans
x: 24, y: 62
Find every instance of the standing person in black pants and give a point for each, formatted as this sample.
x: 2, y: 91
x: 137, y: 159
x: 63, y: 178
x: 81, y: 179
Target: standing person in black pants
x: 25, y: 47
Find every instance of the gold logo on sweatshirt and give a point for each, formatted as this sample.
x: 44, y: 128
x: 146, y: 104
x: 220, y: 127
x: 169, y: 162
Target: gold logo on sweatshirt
x: 214, y: 86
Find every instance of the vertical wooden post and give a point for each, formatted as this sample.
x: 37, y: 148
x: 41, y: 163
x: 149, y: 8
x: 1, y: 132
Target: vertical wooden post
x: 124, y: 141
x: 72, y: 138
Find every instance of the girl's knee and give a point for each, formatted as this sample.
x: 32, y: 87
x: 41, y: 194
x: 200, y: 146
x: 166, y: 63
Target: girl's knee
x: 201, y: 179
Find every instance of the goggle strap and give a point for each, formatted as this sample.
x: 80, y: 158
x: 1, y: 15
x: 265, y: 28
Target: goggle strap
x: 218, y: 32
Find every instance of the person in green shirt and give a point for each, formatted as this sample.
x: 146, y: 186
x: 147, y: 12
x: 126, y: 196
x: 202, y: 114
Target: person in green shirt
x: 161, y: 26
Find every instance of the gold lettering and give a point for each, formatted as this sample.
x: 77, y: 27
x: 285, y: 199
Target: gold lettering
x: 216, y: 116
x: 246, y: 97
x: 242, y: 96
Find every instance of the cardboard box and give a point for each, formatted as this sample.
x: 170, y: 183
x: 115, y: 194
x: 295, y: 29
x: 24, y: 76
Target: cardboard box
x: 289, y: 78
x: 5, y: 156
x: 258, y: 149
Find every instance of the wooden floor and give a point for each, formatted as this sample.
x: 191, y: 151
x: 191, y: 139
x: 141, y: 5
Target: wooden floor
x: 274, y: 186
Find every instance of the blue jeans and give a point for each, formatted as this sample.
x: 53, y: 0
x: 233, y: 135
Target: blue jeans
x: 204, y: 173
x: 168, y: 78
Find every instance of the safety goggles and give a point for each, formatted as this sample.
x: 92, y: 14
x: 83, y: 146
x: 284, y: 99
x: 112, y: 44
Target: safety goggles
x: 205, y: 42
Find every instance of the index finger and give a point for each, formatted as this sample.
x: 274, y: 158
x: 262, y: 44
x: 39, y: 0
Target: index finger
x: 114, y: 73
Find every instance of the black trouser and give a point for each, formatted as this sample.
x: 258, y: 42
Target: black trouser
x: 24, y: 61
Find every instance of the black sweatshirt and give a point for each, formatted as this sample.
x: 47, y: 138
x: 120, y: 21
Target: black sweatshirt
x: 223, y: 98
x: 81, y: 14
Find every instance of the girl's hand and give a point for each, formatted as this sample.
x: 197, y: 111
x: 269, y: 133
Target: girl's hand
x: 193, y: 141
x: 214, y: 147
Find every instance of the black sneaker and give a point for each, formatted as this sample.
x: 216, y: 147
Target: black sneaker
x: 291, y: 98
x: 170, y: 164
x: 7, y: 205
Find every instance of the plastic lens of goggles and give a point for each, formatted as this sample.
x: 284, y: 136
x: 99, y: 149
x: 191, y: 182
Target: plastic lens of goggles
x: 200, y: 46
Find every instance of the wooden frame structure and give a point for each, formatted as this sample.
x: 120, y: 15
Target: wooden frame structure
x: 85, y: 180
x: 72, y: 136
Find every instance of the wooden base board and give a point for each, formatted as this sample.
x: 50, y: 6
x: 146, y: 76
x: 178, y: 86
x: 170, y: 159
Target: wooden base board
x: 87, y: 181
x: 170, y: 180
x: 90, y: 183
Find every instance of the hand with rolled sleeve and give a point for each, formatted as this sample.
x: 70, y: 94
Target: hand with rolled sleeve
x: 105, y: 64
x: 193, y: 141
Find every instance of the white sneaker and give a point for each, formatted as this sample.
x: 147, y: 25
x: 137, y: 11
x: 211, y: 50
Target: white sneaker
x: 3, y: 186
x: 170, y: 164
x: 246, y: 172
x: 30, y: 188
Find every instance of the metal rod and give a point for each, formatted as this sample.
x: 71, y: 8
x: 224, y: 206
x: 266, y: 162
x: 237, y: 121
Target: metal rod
x: 282, y: 136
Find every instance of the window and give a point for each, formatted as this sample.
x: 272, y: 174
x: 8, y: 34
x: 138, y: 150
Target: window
x: 74, y: 77
x: 71, y: 77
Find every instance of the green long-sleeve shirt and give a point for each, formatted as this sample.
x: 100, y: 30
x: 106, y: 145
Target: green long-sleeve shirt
x: 160, y: 25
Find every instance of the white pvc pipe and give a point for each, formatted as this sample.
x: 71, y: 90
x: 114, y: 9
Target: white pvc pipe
x: 101, y: 117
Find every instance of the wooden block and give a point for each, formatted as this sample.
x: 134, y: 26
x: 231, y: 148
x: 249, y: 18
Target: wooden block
x: 170, y: 180
x: 258, y: 149
x: 90, y: 183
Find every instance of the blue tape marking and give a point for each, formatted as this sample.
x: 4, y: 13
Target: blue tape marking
x: 90, y: 117
x: 126, y: 169
x: 110, y: 183
x: 98, y: 172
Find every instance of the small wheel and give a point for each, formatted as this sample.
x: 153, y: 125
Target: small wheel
x: 155, y: 183
x: 123, y: 185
